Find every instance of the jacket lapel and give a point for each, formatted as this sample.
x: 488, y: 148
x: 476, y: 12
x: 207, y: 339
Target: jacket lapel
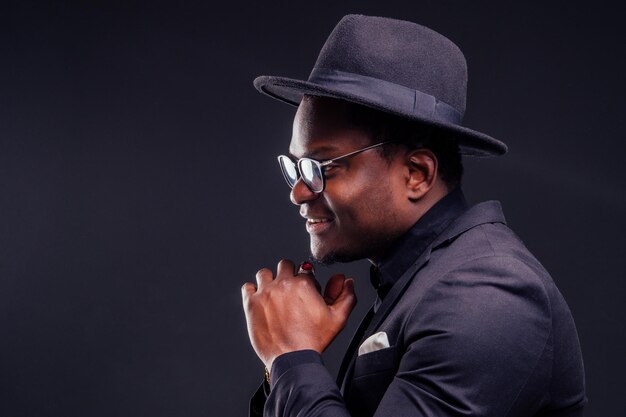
x: 354, y: 344
x: 371, y: 320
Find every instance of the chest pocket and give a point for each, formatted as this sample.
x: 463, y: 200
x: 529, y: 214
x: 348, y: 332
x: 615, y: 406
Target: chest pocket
x: 373, y: 372
x: 379, y: 361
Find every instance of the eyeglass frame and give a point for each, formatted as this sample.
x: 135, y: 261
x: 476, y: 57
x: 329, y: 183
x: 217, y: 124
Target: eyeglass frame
x: 321, y: 165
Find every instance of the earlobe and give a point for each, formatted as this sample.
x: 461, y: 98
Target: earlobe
x: 422, y: 173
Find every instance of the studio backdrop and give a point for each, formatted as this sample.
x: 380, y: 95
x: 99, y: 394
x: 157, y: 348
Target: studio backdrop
x: 139, y: 187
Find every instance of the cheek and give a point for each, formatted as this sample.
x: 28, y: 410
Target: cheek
x: 367, y: 194
x: 366, y: 206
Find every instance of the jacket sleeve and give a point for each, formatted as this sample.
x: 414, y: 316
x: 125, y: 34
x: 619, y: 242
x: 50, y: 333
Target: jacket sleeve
x: 301, y: 385
x: 257, y: 402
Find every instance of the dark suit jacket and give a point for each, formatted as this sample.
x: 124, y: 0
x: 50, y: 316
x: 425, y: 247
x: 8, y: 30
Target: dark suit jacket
x: 476, y: 326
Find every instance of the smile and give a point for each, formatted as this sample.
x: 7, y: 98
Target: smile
x: 317, y: 220
x: 316, y: 226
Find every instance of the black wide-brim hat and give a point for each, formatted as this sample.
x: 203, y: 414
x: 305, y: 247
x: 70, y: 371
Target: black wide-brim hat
x: 394, y: 66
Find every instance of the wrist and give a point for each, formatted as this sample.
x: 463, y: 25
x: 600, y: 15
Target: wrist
x: 283, y: 363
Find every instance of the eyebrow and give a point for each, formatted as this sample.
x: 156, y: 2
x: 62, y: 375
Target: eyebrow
x: 315, y: 154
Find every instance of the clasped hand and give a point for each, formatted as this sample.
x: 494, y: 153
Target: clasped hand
x: 288, y: 312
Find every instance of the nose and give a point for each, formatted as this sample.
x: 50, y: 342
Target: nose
x: 301, y: 194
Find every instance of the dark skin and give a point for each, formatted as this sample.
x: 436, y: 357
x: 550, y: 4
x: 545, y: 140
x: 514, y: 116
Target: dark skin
x: 368, y: 203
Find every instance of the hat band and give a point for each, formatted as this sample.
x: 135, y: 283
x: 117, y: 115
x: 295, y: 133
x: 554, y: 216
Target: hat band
x: 393, y: 96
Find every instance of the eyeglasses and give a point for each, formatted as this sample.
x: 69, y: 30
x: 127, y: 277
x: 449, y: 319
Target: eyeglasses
x: 312, y: 171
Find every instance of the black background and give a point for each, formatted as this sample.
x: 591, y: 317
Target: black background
x: 139, y: 187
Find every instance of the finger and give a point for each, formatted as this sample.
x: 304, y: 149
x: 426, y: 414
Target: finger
x: 306, y: 269
x: 263, y: 276
x: 345, y: 302
x: 318, y: 286
x: 247, y: 290
x: 285, y: 269
x: 334, y: 286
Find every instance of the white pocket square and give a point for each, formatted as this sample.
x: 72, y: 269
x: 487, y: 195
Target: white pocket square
x: 373, y: 343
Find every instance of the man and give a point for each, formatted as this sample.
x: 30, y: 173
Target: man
x: 466, y: 322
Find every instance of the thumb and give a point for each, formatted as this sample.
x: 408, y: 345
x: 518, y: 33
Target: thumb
x: 334, y: 287
x: 345, y: 301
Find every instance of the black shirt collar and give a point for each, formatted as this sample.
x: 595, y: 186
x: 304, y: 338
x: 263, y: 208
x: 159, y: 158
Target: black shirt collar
x: 416, y: 240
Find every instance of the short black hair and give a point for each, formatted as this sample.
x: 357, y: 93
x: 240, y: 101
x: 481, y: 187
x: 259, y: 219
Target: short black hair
x: 384, y: 127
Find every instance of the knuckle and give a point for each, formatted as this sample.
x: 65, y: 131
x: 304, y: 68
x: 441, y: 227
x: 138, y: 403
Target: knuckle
x: 285, y: 263
x: 304, y: 281
x: 263, y: 271
x: 248, y: 286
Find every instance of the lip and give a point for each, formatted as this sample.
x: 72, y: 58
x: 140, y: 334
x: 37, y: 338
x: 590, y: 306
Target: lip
x: 318, y: 226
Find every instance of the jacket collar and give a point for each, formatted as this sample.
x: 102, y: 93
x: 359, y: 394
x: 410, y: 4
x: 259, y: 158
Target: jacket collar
x: 416, y: 240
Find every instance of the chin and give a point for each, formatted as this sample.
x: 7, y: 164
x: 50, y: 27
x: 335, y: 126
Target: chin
x: 330, y: 256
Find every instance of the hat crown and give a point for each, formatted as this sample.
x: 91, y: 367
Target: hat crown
x: 401, y: 52
x: 396, y: 67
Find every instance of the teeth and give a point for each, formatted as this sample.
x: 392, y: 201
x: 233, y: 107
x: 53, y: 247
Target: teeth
x: 317, y: 220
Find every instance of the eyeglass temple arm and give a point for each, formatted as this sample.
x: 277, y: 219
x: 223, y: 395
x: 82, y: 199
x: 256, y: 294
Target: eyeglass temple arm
x: 330, y: 161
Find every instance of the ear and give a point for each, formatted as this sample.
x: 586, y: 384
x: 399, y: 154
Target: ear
x: 421, y: 168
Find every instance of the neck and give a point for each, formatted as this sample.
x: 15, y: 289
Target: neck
x: 415, y: 211
x: 438, y: 191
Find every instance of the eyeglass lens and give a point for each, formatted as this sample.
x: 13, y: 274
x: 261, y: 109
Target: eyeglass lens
x: 311, y: 174
x: 310, y: 170
x: 289, y: 170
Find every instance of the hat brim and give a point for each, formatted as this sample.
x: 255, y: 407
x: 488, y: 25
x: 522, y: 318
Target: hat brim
x: 291, y: 91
